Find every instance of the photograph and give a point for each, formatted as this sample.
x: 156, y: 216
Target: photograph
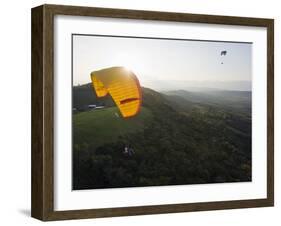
x: 150, y: 111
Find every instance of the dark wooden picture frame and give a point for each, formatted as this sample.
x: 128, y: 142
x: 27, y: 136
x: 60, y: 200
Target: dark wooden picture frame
x: 42, y: 204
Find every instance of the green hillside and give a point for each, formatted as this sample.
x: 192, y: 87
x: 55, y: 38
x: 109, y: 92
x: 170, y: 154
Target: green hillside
x: 172, y: 141
x: 97, y: 126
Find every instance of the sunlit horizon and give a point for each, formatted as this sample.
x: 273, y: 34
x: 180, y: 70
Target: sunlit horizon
x: 159, y: 61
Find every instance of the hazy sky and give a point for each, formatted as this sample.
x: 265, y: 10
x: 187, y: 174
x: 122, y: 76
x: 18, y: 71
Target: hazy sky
x: 155, y: 60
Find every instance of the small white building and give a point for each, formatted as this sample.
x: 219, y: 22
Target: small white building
x: 92, y: 106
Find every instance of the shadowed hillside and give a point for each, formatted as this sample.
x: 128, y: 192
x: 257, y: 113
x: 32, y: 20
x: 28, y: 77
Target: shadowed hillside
x: 84, y: 95
x: 173, y: 140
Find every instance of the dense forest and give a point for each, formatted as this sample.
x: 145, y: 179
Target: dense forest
x: 179, y: 137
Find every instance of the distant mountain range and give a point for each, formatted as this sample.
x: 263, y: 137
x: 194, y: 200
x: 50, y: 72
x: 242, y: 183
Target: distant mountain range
x: 167, y: 85
x: 239, y: 101
x: 84, y: 95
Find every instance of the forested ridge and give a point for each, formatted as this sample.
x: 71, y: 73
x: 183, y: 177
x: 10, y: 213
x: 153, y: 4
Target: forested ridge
x: 175, y: 139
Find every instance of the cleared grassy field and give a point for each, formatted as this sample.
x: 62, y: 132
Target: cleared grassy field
x: 101, y: 126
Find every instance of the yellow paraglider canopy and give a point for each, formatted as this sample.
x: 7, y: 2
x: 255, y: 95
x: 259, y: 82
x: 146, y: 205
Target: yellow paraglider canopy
x: 123, y: 86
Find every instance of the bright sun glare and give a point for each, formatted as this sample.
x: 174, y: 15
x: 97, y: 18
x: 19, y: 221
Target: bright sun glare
x: 128, y: 62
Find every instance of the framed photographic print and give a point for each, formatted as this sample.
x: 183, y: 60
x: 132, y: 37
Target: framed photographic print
x: 141, y: 112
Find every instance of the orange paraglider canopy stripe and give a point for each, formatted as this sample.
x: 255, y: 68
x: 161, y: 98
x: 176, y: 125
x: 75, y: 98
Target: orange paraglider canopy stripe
x: 140, y: 93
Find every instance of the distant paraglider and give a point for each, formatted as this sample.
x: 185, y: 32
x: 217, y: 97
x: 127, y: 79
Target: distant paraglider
x: 123, y: 86
x: 223, y: 53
